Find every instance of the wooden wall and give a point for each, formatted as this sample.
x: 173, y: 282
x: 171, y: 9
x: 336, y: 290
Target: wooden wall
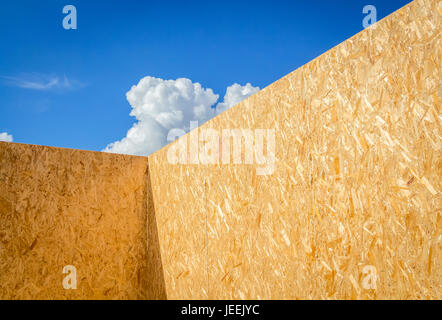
x: 62, y: 207
x: 356, y: 185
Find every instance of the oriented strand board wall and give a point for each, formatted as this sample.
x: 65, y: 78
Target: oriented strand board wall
x: 357, y: 180
x: 63, y: 207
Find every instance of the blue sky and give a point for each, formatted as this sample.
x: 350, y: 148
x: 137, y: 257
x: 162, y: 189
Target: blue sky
x: 68, y: 88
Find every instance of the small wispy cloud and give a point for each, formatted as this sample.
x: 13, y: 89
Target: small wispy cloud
x: 41, y: 82
x: 4, y: 136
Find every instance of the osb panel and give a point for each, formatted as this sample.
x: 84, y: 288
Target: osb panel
x: 356, y: 183
x: 63, y: 207
x: 179, y: 199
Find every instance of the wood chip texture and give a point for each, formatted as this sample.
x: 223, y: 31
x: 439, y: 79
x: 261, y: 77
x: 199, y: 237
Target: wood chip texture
x: 61, y: 207
x: 356, y: 185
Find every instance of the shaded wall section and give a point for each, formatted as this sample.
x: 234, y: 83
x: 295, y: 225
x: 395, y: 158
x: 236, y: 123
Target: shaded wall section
x: 61, y: 207
x: 352, y: 209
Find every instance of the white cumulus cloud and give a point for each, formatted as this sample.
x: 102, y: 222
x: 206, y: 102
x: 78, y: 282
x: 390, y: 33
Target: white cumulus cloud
x: 4, y: 136
x: 161, y: 105
x: 235, y: 94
